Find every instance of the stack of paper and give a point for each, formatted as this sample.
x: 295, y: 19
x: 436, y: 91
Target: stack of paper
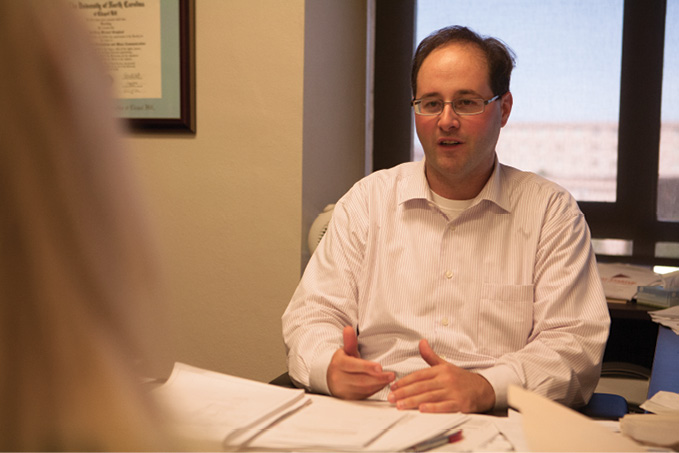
x: 549, y: 426
x: 658, y: 428
x: 234, y: 413
x: 620, y: 281
x: 213, y: 408
x: 668, y: 317
x: 666, y: 403
x: 652, y: 429
x: 332, y: 424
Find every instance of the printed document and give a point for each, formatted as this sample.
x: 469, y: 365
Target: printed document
x: 235, y: 413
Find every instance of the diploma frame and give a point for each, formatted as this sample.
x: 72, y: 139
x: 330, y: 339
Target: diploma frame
x: 178, y: 76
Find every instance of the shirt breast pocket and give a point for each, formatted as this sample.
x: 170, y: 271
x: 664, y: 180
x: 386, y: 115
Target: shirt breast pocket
x: 505, y: 318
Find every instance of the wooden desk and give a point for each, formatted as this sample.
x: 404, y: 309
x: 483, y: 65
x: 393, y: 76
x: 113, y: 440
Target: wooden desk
x: 630, y: 310
x: 633, y: 335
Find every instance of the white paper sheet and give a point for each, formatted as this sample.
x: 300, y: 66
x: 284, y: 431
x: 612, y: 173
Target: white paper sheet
x: 620, y: 281
x: 212, y: 406
x: 549, y: 426
x: 416, y: 428
x: 329, y: 423
x: 479, y: 433
x: 332, y: 424
x: 663, y: 402
x: 669, y: 317
x: 230, y: 413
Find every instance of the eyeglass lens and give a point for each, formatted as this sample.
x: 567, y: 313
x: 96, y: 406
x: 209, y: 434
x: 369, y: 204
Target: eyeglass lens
x: 434, y: 106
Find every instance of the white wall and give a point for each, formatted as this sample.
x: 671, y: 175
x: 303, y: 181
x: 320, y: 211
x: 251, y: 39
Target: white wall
x: 228, y: 201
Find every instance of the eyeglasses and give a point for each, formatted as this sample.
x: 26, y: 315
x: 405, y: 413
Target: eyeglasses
x: 431, y: 106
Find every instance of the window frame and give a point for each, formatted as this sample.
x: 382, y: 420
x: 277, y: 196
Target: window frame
x: 633, y: 215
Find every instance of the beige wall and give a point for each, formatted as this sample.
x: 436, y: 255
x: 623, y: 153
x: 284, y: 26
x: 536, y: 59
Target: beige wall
x: 334, y: 104
x: 228, y: 202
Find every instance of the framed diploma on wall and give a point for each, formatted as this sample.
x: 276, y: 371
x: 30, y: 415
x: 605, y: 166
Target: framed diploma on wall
x: 149, y: 48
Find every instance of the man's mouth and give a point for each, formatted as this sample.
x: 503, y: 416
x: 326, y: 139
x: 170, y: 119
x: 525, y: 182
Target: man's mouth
x: 448, y: 142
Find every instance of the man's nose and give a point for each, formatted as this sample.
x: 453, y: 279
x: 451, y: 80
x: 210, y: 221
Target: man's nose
x: 448, y: 119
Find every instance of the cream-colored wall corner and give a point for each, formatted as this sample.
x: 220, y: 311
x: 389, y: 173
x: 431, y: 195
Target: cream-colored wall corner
x: 227, y: 202
x: 334, y: 104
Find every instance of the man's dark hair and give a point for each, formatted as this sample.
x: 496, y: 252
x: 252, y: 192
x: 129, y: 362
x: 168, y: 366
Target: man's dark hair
x: 499, y: 56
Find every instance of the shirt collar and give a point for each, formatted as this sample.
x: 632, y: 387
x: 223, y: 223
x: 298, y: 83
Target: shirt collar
x: 496, y: 189
x: 413, y: 186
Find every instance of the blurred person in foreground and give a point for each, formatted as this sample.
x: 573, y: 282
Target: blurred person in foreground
x: 77, y: 274
x: 441, y: 283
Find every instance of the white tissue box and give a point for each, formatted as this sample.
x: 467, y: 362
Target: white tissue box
x: 657, y: 296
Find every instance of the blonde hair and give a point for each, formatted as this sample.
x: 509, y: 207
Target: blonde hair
x: 77, y: 273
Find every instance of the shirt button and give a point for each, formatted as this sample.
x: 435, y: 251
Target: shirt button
x: 449, y: 274
x: 444, y: 321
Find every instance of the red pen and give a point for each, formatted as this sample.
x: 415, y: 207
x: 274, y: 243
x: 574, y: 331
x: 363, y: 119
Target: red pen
x: 436, y: 442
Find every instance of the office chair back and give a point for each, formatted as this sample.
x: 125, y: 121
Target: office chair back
x: 665, y: 372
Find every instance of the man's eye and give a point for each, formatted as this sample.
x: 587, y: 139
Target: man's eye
x: 431, y: 104
x: 467, y: 102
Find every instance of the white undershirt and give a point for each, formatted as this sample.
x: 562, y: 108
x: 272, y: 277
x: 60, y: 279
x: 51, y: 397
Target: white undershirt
x: 451, y: 208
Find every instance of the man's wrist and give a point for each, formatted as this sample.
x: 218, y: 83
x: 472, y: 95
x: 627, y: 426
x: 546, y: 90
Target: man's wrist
x: 486, y: 398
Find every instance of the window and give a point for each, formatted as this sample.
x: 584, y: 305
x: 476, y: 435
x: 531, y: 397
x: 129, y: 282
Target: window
x: 588, y: 90
x: 668, y: 171
x: 566, y: 85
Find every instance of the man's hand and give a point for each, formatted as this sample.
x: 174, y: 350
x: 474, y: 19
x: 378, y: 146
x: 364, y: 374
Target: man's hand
x: 349, y: 376
x: 442, y: 388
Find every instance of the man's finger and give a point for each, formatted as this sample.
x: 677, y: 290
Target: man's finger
x: 350, y: 342
x: 429, y: 355
x: 366, y: 385
x: 354, y: 378
x: 356, y: 365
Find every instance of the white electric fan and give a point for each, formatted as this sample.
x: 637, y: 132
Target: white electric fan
x: 319, y: 227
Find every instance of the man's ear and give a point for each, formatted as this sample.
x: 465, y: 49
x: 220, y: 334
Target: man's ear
x: 506, y: 106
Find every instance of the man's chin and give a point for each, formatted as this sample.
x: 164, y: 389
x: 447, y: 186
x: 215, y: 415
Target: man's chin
x: 444, y: 166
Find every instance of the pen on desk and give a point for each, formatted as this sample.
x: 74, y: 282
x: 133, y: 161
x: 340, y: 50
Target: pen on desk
x: 436, y: 442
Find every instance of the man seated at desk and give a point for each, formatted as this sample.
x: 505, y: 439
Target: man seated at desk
x: 440, y: 283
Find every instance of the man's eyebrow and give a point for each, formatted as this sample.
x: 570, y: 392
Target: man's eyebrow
x: 458, y: 93
x: 466, y: 92
x: 432, y: 94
